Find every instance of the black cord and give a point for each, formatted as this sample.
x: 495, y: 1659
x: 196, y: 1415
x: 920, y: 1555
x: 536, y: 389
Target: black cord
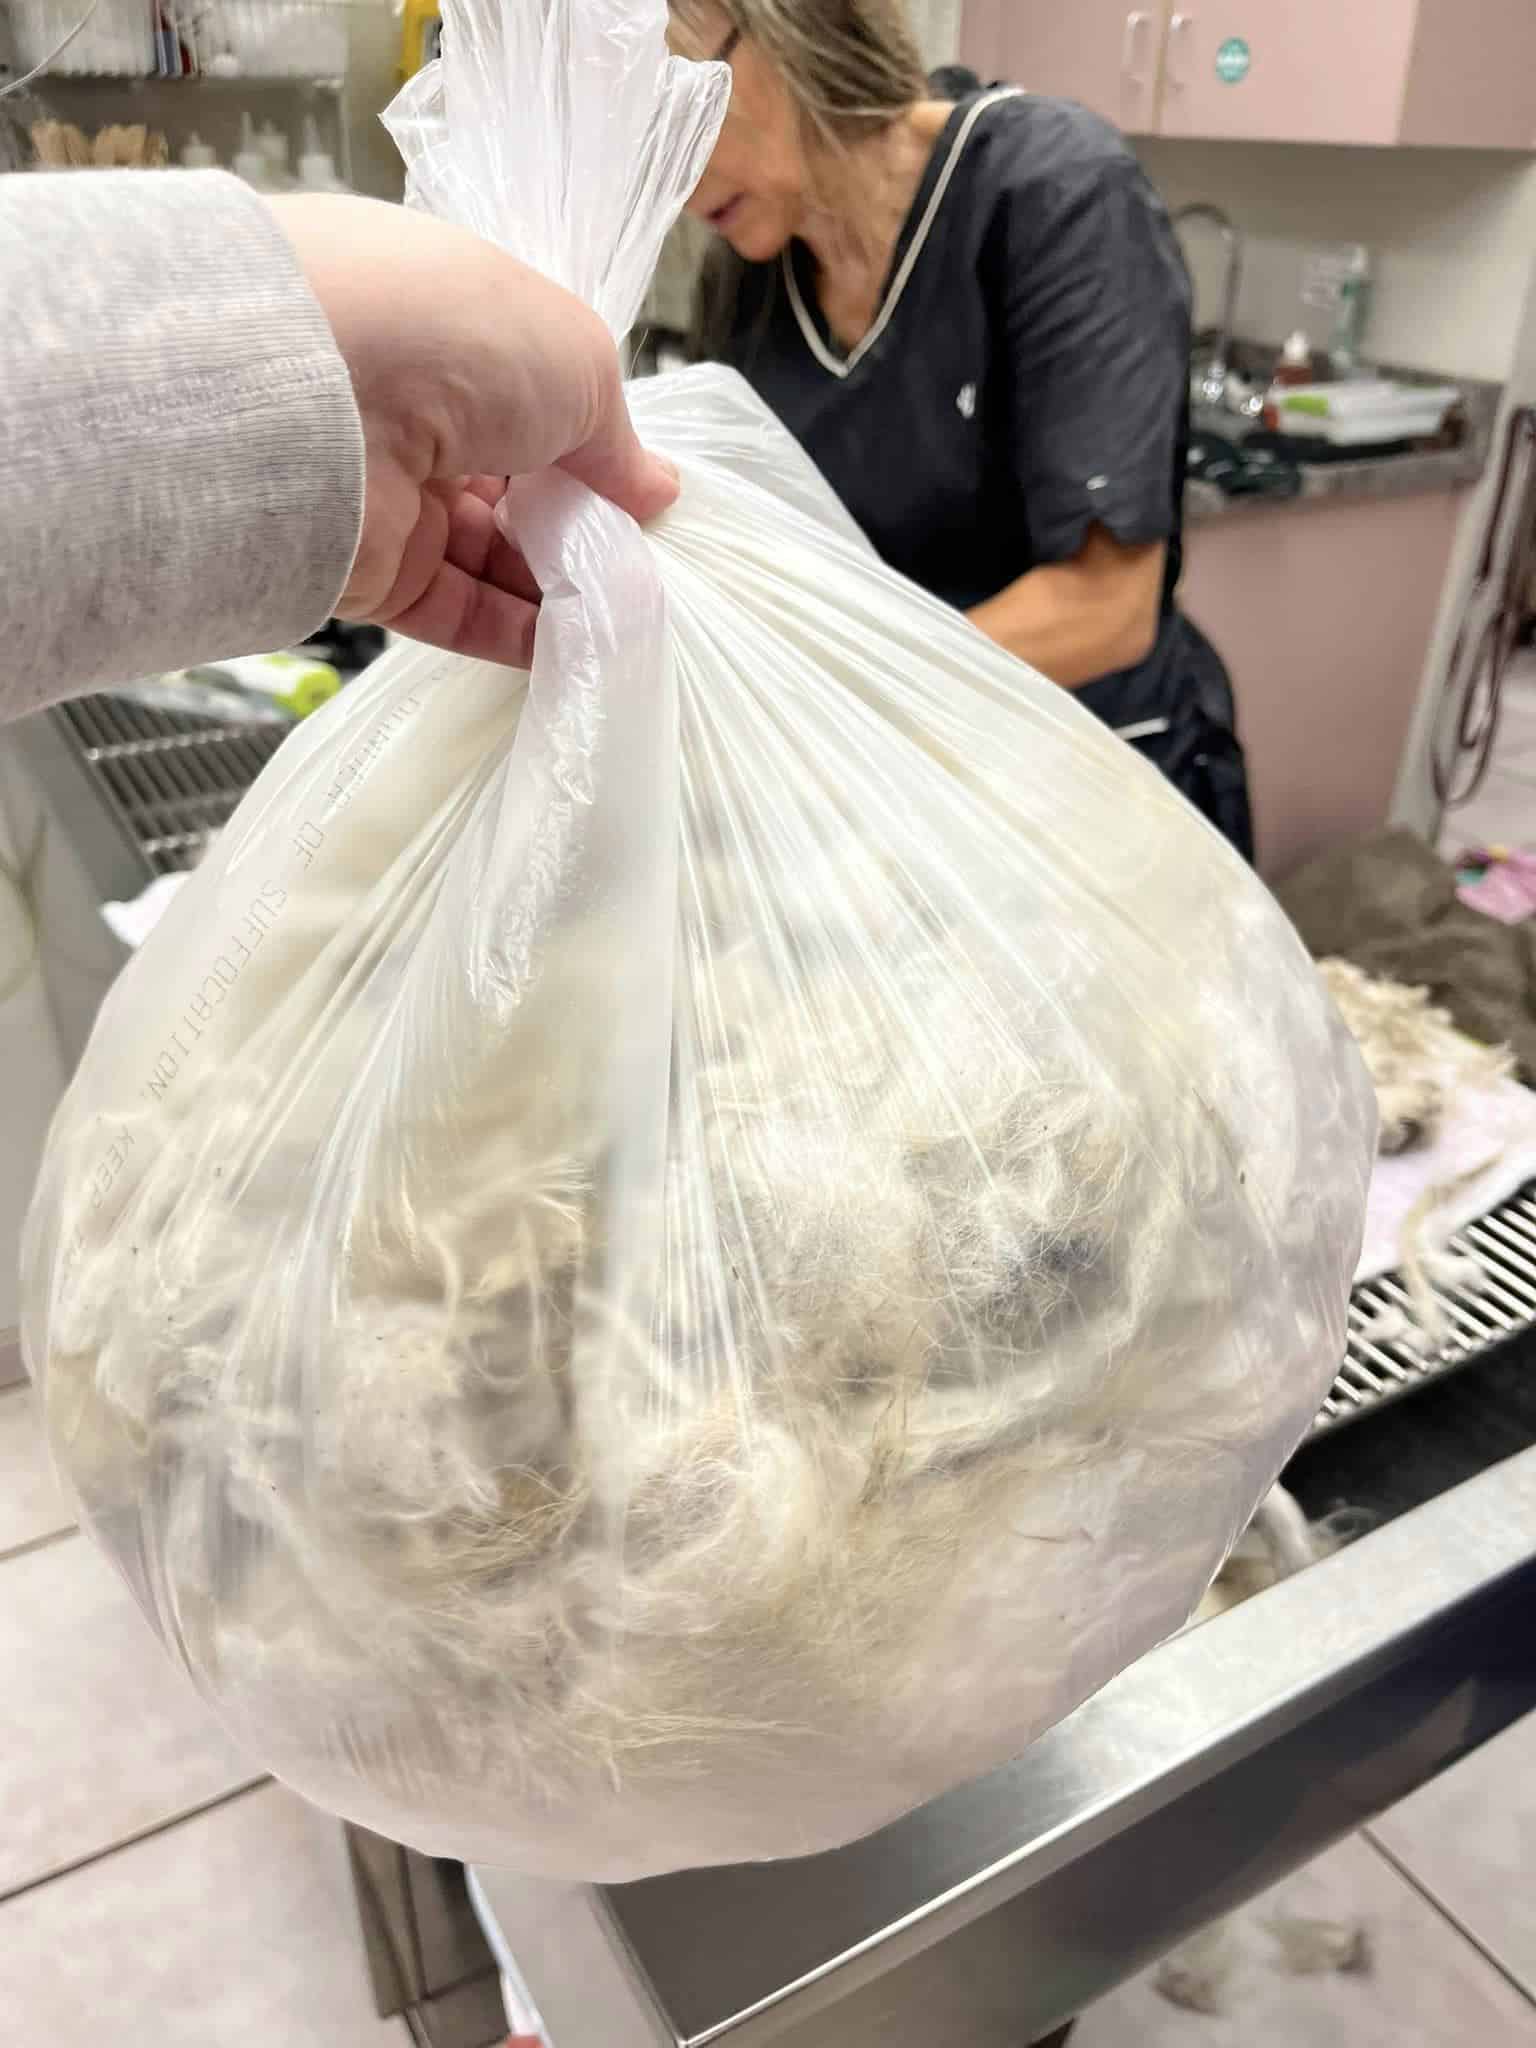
x: 53, y: 56
x: 1472, y: 708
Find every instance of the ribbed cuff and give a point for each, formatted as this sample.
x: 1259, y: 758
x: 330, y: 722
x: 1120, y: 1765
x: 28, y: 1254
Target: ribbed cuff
x: 184, y: 453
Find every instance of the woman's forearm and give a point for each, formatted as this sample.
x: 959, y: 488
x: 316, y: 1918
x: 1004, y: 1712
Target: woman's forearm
x: 1076, y: 621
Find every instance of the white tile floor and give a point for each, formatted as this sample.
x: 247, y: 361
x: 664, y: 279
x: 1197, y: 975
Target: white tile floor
x: 1428, y: 1985
x: 230, y: 1929
x: 153, y: 1890
x: 154, y: 1887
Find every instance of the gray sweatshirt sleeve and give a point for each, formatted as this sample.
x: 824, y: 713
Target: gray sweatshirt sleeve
x: 182, y: 452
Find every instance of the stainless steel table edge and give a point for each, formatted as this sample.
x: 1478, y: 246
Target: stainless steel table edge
x: 753, y: 1953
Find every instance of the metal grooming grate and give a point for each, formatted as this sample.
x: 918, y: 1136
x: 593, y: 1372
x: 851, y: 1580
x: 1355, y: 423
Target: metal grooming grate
x: 1504, y: 1245
x: 170, y: 781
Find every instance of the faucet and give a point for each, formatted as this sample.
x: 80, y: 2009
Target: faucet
x: 1211, y: 390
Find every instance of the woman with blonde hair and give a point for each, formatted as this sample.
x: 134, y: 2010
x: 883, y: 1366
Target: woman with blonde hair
x: 975, y: 318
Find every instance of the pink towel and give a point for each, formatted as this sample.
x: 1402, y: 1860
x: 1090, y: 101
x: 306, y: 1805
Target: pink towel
x: 1507, y: 890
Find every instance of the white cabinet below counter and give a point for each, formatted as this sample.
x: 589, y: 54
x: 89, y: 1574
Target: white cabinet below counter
x: 1323, y: 611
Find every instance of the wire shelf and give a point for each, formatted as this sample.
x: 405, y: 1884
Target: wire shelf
x: 214, y: 39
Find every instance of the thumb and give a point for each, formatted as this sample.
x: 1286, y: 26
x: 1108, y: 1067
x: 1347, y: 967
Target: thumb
x: 612, y: 462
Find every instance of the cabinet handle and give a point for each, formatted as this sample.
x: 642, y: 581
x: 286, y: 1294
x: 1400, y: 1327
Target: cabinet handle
x: 1178, y: 42
x: 1135, y: 22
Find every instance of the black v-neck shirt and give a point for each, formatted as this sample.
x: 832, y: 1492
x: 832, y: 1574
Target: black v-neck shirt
x: 1026, y: 375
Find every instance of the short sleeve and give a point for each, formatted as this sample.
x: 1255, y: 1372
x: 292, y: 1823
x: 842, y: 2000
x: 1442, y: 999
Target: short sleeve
x: 1095, y: 317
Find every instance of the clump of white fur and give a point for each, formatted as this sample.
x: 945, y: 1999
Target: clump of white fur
x: 1418, y: 1062
x: 1416, y: 1057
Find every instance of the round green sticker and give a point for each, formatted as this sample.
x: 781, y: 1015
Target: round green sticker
x: 1234, y: 60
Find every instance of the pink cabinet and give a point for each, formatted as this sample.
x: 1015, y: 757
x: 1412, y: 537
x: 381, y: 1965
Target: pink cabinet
x: 1472, y: 77
x: 1287, y: 70
x: 1324, y: 615
x: 1453, y: 72
x: 1457, y: 73
x: 1105, y: 53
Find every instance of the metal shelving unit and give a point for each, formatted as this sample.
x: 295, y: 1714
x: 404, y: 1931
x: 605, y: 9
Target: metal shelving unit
x: 185, y: 65
x: 230, y: 40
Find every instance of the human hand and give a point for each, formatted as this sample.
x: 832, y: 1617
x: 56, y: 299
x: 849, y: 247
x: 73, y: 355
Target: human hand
x: 468, y: 368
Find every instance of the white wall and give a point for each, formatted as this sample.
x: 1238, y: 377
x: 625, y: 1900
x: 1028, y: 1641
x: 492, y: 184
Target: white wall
x: 938, y: 29
x: 1452, y: 234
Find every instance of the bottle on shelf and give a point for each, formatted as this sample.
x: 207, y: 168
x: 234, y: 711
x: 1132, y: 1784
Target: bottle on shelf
x: 197, y: 155
x: 1352, y: 307
x: 1294, y: 368
x: 273, y: 144
x: 317, y: 167
x: 250, y: 160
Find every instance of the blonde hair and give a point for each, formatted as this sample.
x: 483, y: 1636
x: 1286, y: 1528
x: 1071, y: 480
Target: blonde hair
x: 851, y: 68
x: 850, y: 65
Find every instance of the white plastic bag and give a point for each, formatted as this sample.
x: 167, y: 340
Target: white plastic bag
x: 658, y: 1261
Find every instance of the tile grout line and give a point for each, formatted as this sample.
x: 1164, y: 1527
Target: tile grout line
x: 43, y: 1542
x: 1452, y: 1920
x: 146, y: 1834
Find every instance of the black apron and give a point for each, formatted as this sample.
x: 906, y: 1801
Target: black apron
x: 1194, y: 742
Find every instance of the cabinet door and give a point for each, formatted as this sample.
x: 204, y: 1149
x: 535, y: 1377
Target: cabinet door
x: 1287, y: 70
x: 1325, y: 687
x: 1473, y: 82
x: 1105, y: 53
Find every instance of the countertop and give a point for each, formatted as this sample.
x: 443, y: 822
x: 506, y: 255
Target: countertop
x: 1386, y: 476
x: 1391, y: 476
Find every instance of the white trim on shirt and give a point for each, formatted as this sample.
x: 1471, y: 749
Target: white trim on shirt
x: 844, y: 366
